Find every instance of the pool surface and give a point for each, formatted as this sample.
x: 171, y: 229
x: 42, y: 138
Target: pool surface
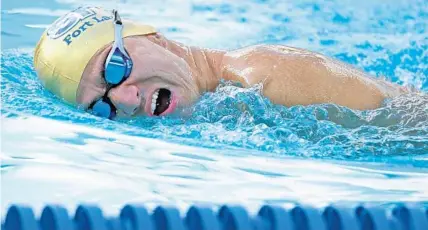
x: 235, y: 146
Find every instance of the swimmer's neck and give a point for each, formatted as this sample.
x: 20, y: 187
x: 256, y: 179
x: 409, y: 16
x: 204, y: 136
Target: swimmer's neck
x: 205, y: 64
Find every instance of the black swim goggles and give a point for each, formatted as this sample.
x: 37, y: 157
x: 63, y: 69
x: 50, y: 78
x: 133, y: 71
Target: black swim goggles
x: 117, y: 68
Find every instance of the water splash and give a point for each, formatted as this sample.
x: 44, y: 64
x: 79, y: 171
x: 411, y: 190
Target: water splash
x: 74, y: 157
x: 235, y: 117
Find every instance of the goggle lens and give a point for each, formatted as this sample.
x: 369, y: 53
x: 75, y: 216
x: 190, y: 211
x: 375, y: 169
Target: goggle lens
x: 115, y: 72
x: 103, y: 109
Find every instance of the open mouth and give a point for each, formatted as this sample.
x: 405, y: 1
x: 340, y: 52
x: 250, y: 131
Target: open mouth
x: 161, y: 100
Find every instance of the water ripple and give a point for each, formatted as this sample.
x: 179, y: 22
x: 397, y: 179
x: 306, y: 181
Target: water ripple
x: 234, y: 145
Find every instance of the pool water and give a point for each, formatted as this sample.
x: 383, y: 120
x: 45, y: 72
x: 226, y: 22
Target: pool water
x: 235, y: 146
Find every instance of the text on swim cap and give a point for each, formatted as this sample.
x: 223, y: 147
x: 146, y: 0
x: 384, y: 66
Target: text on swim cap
x: 67, y: 22
x: 68, y: 39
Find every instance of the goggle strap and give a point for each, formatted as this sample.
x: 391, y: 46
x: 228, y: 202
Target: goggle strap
x: 118, y: 39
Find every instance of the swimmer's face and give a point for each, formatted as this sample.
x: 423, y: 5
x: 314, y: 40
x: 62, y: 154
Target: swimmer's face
x: 156, y: 72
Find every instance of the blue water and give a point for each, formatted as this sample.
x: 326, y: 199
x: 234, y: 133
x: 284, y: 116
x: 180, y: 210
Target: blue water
x: 235, y: 146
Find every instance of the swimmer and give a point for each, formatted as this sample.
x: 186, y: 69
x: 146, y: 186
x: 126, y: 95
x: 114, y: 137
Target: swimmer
x: 111, y: 67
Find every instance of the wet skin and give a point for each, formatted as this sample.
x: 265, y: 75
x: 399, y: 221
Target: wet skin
x: 289, y: 76
x: 154, y: 67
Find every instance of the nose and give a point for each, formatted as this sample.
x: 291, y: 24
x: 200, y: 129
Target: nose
x: 126, y: 98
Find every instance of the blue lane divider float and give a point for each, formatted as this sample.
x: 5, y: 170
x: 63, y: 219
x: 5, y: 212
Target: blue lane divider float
x: 137, y: 217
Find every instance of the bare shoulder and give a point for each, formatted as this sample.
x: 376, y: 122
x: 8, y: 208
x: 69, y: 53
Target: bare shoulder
x: 259, y: 62
x: 249, y: 65
x: 266, y: 49
x: 267, y: 58
x: 301, y: 60
x: 293, y: 76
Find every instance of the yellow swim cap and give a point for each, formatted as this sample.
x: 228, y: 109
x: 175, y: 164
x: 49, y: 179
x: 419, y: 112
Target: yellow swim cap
x: 66, y: 47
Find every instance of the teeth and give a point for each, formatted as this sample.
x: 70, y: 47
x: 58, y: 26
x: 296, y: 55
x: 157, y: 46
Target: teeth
x: 154, y: 98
